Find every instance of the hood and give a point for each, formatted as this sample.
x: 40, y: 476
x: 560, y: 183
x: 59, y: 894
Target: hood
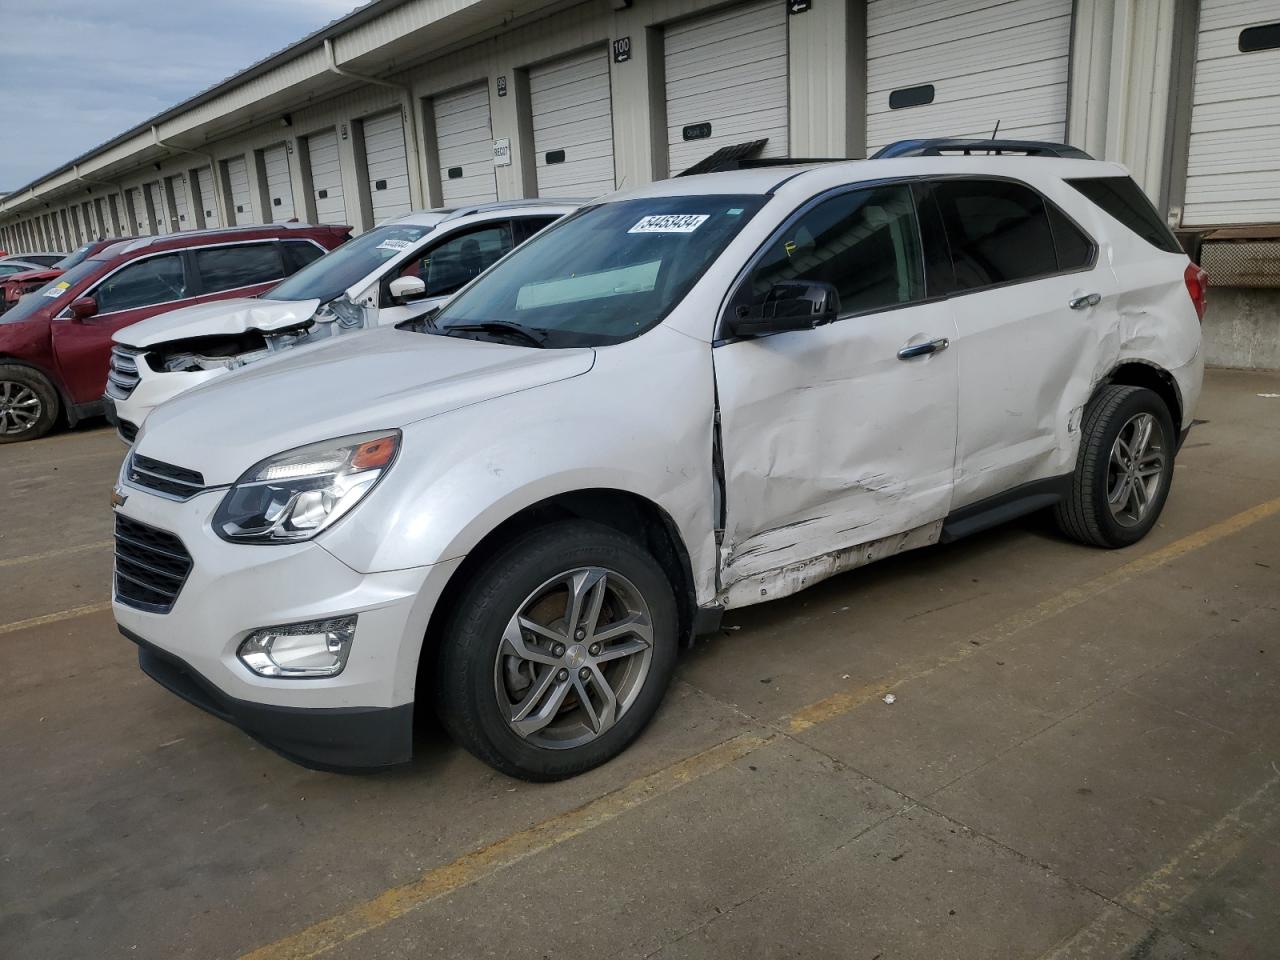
x: 216, y: 318
x: 33, y: 276
x: 375, y: 380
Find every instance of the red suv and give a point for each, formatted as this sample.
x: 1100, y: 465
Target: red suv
x: 55, y: 343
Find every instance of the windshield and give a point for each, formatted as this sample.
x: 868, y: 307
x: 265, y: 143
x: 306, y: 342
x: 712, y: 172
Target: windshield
x: 606, y: 274
x: 71, y: 259
x: 55, y: 291
x: 328, y: 277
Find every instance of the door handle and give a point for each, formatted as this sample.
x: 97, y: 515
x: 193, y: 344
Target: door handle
x: 923, y: 349
x: 1088, y: 300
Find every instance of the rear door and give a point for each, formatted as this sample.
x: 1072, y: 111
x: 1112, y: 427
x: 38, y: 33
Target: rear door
x: 1026, y: 355
x: 837, y: 448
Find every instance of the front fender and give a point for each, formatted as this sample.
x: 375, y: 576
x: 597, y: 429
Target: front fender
x: 639, y: 422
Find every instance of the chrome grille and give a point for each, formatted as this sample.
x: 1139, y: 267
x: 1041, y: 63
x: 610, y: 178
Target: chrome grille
x: 151, y: 566
x: 176, y: 483
x: 122, y: 374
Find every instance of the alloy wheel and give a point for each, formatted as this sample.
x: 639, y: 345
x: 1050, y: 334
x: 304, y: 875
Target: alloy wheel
x: 1136, y: 469
x: 574, y: 658
x: 20, y: 408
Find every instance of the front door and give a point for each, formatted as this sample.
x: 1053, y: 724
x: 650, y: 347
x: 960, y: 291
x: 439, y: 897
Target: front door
x: 838, y: 443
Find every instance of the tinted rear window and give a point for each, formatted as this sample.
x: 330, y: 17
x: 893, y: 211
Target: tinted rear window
x: 226, y: 268
x: 1124, y: 200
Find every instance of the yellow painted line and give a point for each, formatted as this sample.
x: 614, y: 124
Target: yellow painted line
x: 471, y: 867
x: 841, y: 703
x: 55, y: 554
x: 446, y: 879
x: 81, y: 611
x: 1111, y: 933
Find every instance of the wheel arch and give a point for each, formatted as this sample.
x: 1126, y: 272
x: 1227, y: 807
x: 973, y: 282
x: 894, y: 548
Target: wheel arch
x: 631, y: 514
x: 1152, y: 376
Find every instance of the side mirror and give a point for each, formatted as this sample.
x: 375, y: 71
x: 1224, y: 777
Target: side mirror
x: 789, y: 305
x: 83, y: 309
x: 407, y: 288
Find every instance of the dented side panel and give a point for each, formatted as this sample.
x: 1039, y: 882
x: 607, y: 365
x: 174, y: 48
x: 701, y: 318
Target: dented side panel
x: 830, y: 442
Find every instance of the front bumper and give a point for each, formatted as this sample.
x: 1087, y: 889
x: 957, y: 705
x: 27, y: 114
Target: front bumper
x: 154, y: 389
x: 360, y: 718
x: 335, y: 739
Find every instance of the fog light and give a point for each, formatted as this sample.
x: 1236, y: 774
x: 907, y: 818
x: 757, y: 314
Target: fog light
x: 302, y: 650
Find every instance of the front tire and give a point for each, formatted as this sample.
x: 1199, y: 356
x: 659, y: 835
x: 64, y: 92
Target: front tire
x: 29, y: 403
x: 1124, y: 469
x: 558, y: 651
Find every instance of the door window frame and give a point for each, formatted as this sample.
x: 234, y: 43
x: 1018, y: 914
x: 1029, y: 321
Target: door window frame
x: 188, y: 266
x: 431, y: 244
x: 917, y: 185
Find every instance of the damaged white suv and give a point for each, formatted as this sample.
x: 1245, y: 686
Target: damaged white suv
x: 394, y: 272
x: 683, y: 399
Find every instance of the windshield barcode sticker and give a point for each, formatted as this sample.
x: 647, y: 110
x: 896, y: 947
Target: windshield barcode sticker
x: 670, y: 223
x: 58, y: 289
x: 393, y: 245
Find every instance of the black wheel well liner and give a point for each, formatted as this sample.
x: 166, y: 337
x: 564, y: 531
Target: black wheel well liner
x: 630, y: 514
x: 1143, y: 373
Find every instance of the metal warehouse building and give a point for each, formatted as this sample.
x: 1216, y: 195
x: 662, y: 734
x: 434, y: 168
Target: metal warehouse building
x: 415, y: 103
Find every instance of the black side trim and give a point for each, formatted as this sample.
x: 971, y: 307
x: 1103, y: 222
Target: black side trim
x: 338, y: 740
x: 707, y: 620
x: 1003, y: 507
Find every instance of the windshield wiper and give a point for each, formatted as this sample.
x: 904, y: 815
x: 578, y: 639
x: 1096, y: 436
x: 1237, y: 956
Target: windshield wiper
x: 500, y: 328
x: 423, y: 324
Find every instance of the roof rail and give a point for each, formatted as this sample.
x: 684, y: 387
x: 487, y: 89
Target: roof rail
x: 939, y: 146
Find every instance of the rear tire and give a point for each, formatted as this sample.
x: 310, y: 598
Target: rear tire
x: 29, y: 403
x: 542, y: 687
x: 1124, y: 470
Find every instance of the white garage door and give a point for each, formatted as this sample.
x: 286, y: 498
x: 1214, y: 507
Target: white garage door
x: 573, y: 126
x: 954, y: 68
x: 1233, y: 168
x: 387, y: 166
x: 727, y: 82
x: 159, y: 209
x: 275, y: 164
x: 208, y: 197
x: 326, y: 177
x: 464, y: 139
x: 177, y: 187
x: 241, y: 199
x: 138, y: 212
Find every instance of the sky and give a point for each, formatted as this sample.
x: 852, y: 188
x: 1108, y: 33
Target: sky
x: 74, y: 73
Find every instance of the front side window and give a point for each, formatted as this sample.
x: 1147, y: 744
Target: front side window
x: 227, y: 268
x: 864, y: 243
x: 143, y: 284
x: 452, y: 264
x: 998, y: 231
x: 338, y: 269
x: 606, y: 274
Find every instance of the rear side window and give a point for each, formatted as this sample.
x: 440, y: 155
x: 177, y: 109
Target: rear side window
x: 226, y: 268
x: 1124, y: 200
x: 998, y: 231
x: 1075, y: 249
x: 297, y: 254
x: 143, y: 284
x: 864, y: 243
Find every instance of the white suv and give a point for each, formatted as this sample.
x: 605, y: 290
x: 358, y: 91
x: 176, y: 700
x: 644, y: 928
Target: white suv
x: 684, y: 399
x: 396, y: 271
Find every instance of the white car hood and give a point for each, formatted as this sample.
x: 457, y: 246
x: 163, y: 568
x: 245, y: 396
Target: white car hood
x: 216, y: 318
x: 376, y: 380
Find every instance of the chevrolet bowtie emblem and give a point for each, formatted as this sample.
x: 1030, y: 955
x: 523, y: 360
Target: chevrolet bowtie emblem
x: 117, y: 498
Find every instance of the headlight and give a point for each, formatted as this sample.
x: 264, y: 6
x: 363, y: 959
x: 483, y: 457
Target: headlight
x: 296, y: 494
